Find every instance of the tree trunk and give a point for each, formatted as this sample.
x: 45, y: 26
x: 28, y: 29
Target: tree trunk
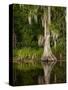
x: 47, y: 49
x: 29, y: 20
x: 48, y: 59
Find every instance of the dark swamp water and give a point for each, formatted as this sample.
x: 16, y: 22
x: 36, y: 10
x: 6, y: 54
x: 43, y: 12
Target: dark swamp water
x: 33, y: 74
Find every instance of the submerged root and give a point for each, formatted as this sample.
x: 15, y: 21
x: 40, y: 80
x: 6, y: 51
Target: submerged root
x: 49, y: 58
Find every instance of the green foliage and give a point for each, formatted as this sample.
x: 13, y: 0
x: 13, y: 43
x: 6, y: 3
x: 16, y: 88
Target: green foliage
x: 28, y: 52
x: 27, y: 35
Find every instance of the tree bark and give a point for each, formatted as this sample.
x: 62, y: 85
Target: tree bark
x: 48, y: 59
x: 29, y: 19
x: 47, y: 49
